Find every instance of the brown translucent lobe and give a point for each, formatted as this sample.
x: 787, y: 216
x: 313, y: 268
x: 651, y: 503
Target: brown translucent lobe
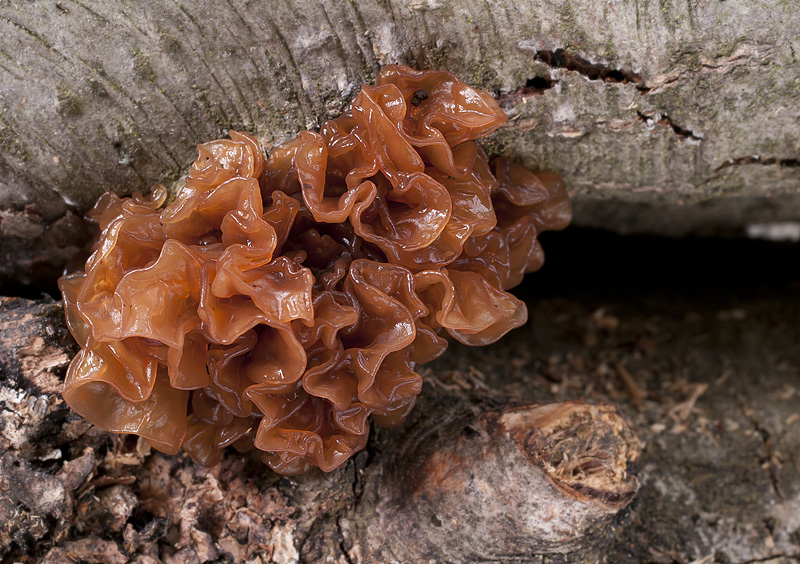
x: 280, y: 288
x: 333, y: 312
x: 125, y: 365
x: 451, y: 114
x: 160, y: 301
x: 130, y: 242
x: 280, y: 216
x: 396, y: 386
x: 389, y: 307
x: 160, y: 419
x: 413, y: 207
x: 311, y: 160
x: 224, y: 319
x: 204, y: 441
x: 277, y: 360
x: 110, y: 206
x: 222, y: 160
x: 226, y: 365
x: 410, y: 218
x: 279, y: 305
x: 301, y: 432
x: 200, y: 441
x: 378, y: 111
x: 78, y: 326
x: 468, y: 306
x: 196, y: 218
x: 427, y: 346
x: 328, y: 377
x: 187, y: 365
x: 209, y: 410
x: 526, y: 204
x: 405, y: 218
x: 472, y: 216
x: 350, y: 158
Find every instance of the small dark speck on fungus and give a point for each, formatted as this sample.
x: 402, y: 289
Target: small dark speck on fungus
x: 276, y: 305
x: 419, y: 97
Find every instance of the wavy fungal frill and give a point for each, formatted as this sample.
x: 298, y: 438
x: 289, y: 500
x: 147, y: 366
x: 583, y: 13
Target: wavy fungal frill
x: 278, y: 304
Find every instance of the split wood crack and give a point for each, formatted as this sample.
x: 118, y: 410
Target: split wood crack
x: 755, y: 159
x: 663, y: 119
x: 559, y: 58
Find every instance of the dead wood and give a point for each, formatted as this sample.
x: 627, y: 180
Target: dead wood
x: 517, y: 480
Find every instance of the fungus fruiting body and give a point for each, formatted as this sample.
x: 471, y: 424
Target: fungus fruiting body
x: 277, y: 304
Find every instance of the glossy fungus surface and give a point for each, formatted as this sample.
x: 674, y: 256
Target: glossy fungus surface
x: 277, y: 304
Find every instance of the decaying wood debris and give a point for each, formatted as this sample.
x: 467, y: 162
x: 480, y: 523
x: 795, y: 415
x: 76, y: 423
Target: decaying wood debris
x: 719, y: 474
x: 517, y: 479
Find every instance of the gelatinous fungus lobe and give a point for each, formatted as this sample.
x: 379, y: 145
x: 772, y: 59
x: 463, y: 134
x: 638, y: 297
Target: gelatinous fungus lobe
x: 276, y: 305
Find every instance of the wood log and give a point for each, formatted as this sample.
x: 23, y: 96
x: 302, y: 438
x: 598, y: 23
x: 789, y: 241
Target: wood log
x: 663, y: 117
x: 510, y: 483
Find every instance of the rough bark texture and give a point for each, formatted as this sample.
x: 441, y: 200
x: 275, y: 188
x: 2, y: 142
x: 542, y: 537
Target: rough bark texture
x: 664, y: 116
x: 707, y: 378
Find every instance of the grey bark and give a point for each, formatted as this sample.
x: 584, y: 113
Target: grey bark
x: 674, y: 117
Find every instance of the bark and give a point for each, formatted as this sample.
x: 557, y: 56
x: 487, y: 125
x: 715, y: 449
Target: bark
x: 481, y: 472
x: 664, y: 116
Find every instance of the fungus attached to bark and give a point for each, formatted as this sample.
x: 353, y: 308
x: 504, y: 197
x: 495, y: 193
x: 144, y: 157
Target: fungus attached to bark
x: 279, y: 304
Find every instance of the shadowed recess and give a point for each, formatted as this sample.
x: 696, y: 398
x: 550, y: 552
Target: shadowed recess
x: 561, y: 59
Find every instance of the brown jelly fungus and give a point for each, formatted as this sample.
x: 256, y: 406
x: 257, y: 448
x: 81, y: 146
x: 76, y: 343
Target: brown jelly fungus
x: 278, y: 303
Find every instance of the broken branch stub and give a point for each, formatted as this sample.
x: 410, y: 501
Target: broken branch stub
x: 507, y: 483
